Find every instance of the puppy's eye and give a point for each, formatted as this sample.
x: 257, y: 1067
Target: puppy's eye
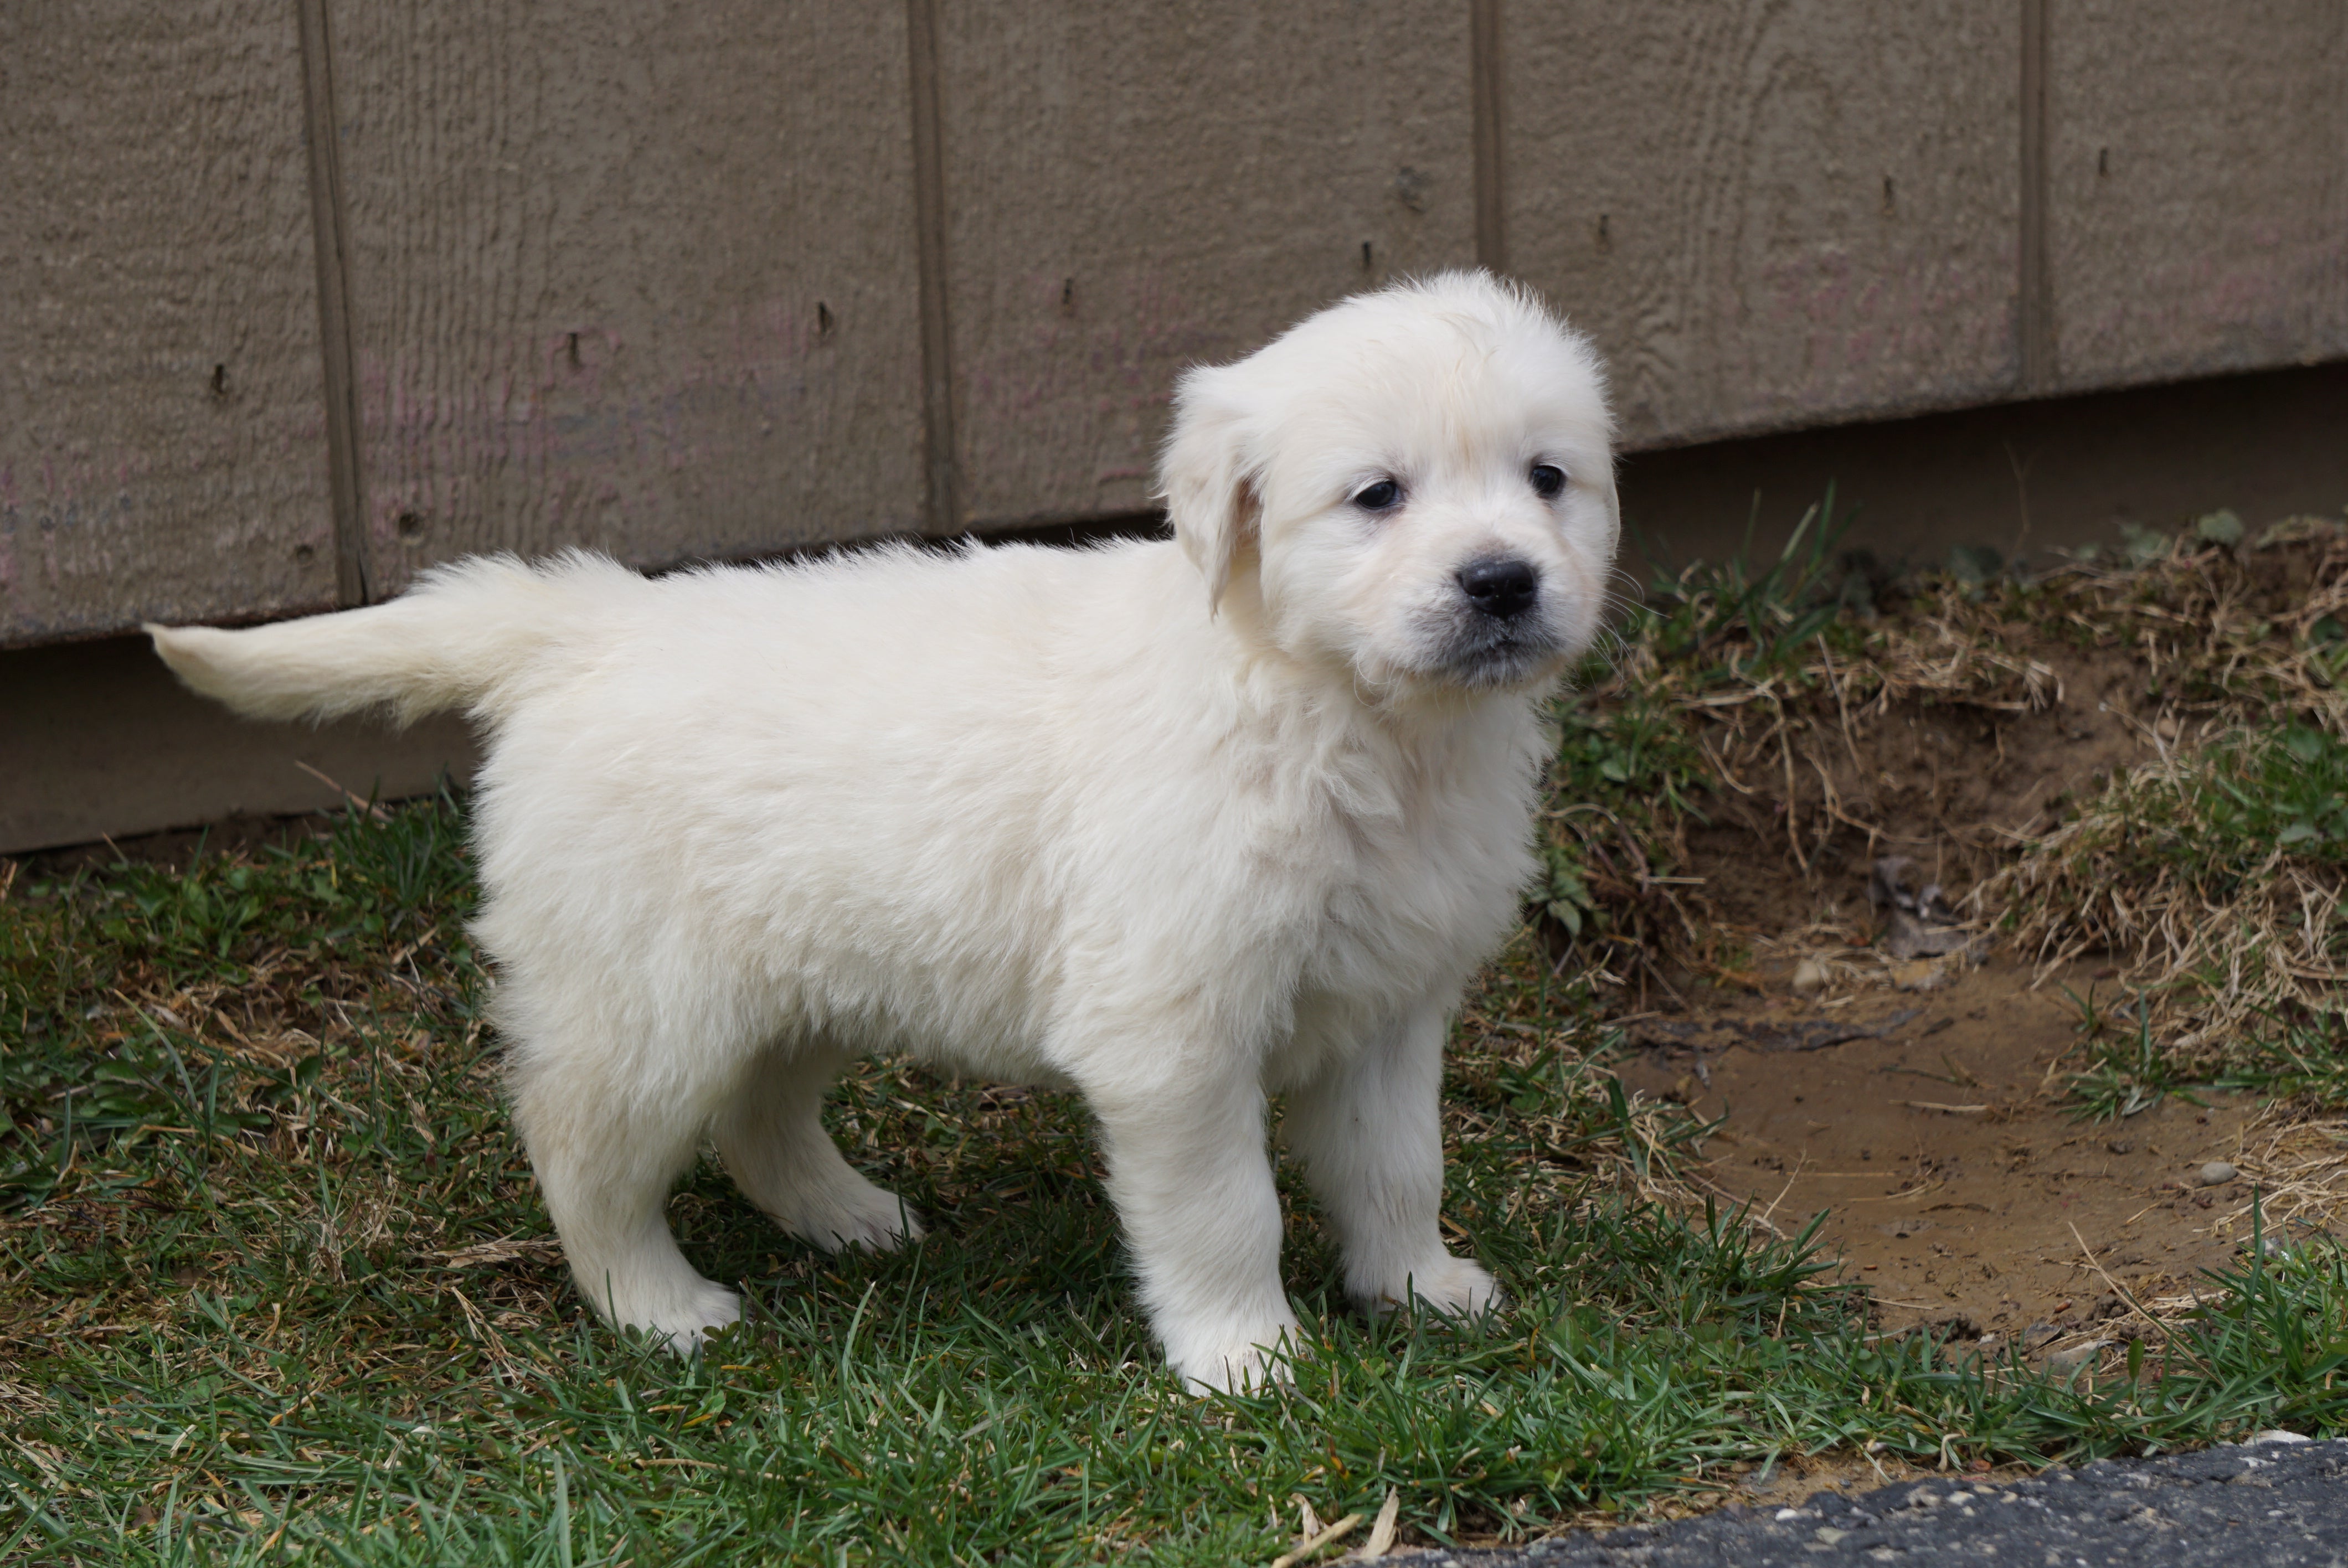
x: 1549, y: 480
x: 1384, y: 496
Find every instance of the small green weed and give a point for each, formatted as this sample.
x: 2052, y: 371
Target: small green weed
x: 2120, y: 1081
x: 2229, y: 811
x: 1774, y: 610
x: 2286, y: 790
x: 2306, y: 1061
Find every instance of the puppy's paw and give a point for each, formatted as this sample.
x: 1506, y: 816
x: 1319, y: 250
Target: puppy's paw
x: 683, y: 1324
x: 1455, y: 1286
x: 1234, y: 1372
x: 865, y: 1216
x: 1238, y: 1362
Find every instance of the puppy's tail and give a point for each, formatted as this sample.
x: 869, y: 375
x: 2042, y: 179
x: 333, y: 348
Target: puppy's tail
x: 464, y: 637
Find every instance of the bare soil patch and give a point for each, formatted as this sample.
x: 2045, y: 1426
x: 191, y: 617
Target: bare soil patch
x: 1957, y: 1184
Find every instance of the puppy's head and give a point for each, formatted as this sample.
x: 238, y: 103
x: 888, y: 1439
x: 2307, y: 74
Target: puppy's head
x: 1416, y: 485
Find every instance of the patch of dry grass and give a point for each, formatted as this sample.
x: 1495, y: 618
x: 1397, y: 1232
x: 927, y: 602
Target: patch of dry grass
x: 2215, y: 872
x: 2229, y: 940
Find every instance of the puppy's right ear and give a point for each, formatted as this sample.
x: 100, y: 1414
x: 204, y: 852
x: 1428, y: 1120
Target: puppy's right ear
x: 1207, y: 478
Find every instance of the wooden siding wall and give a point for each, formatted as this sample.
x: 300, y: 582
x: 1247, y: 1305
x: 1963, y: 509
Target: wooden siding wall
x: 682, y: 281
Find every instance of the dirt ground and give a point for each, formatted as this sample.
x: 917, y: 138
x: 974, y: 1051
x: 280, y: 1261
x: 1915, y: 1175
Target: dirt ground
x: 1958, y: 1186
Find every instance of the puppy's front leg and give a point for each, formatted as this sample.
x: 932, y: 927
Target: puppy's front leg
x: 1370, y: 1133
x: 1192, y: 1184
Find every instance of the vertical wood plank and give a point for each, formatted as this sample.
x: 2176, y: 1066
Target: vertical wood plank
x: 1771, y: 216
x: 1134, y: 190
x: 2199, y: 185
x: 637, y: 277
x: 161, y: 426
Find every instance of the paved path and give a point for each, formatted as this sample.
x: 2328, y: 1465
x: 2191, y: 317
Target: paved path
x: 2268, y: 1504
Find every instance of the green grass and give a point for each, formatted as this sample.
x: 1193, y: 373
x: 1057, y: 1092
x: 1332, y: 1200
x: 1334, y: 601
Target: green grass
x: 276, y: 1285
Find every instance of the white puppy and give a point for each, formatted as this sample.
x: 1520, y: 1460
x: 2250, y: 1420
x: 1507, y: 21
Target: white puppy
x: 1048, y: 816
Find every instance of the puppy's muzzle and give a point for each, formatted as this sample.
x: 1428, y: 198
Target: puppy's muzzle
x: 1495, y: 634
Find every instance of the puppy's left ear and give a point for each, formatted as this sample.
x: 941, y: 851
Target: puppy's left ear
x: 1207, y: 478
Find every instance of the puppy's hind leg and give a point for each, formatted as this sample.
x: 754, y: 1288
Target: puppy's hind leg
x: 770, y: 1134
x: 606, y: 1147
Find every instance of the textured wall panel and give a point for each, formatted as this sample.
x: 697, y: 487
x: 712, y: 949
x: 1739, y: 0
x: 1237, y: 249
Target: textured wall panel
x: 2198, y: 186
x: 1770, y: 216
x: 161, y: 415
x: 1134, y: 190
x: 639, y: 277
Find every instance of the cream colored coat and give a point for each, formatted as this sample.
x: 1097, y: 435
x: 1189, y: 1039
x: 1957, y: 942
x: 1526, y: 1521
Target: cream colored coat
x: 1179, y: 825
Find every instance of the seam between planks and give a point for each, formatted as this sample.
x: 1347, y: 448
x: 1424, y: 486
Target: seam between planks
x: 943, y: 486
x: 1485, y: 127
x: 2034, y: 349
x: 330, y: 229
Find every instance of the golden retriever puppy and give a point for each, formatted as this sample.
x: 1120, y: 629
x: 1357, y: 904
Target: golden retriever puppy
x: 1178, y: 825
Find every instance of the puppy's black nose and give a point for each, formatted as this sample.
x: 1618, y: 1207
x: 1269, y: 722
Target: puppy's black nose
x: 1502, y: 586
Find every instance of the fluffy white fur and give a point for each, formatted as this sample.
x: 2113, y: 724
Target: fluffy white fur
x: 1060, y: 817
